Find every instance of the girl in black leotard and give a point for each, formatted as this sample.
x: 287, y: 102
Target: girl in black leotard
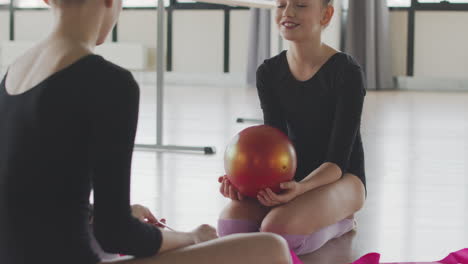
x: 68, y: 122
x: 315, y: 95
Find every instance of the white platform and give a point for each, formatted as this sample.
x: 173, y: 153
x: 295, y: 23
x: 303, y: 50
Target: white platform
x: 431, y: 84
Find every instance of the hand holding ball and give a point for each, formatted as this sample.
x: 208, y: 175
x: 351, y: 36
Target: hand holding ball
x: 259, y: 157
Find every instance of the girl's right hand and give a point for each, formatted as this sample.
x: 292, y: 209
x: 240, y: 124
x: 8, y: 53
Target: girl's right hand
x: 204, y: 233
x: 228, y: 190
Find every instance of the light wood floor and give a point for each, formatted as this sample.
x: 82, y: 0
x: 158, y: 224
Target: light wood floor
x: 416, y: 146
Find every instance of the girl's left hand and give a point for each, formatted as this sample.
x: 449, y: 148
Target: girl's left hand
x: 143, y: 214
x: 268, y: 198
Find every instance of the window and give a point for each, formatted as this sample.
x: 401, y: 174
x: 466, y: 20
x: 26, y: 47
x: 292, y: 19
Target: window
x: 399, y: 3
x: 186, y: 1
x: 30, y: 4
x: 391, y: 3
x: 407, y: 3
x: 143, y: 3
x: 126, y: 3
x: 439, y: 1
x: 140, y: 3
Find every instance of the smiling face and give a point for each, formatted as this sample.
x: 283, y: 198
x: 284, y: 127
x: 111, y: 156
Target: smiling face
x: 302, y: 20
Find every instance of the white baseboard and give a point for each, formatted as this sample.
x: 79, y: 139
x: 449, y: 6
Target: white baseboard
x: 431, y: 84
x: 175, y: 78
x: 208, y: 79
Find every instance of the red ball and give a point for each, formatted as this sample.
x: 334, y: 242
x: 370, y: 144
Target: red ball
x: 259, y: 157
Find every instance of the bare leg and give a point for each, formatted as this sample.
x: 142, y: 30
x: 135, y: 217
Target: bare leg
x: 242, y: 248
x: 241, y: 217
x: 247, y: 209
x: 317, y: 208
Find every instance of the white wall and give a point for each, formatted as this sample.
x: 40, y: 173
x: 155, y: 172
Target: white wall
x: 441, y: 46
x: 4, y: 34
x: 32, y: 25
x: 4, y: 25
x: 205, y: 36
x: 399, y: 38
x: 198, y: 41
x: 139, y: 26
x: 332, y: 35
x: 238, y: 40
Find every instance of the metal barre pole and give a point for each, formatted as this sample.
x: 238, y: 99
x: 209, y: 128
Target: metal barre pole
x: 160, y: 97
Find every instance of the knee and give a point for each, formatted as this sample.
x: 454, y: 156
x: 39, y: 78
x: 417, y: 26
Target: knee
x: 233, y: 210
x: 245, y: 209
x: 283, y: 228
x: 240, y: 217
x: 276, y: 247
x: 280, y: 224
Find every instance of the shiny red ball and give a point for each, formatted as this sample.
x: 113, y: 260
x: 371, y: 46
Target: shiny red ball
x: 259, y: 157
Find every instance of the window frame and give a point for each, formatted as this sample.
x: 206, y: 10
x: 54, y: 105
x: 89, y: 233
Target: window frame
x: 442, y: 6
x: 175, y: 5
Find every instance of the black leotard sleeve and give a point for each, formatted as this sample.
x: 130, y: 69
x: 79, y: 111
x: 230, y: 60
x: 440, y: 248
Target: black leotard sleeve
x: 347, y: 119
x: 113, y: 115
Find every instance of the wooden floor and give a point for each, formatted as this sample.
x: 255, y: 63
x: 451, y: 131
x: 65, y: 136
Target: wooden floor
x: 416, y: 146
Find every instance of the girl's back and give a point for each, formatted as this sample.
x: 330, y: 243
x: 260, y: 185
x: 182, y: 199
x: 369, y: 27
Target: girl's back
x: 50, y: 154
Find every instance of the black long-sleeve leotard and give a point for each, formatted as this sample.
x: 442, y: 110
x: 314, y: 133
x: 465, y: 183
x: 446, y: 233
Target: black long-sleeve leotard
x: 321, y: 116
x: 72, y: 131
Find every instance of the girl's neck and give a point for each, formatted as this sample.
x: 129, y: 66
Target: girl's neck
x: 307, y: 53
x: 76, y: 28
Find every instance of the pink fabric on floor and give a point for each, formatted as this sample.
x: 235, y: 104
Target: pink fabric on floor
x: 458, y: 257
x: 295, y: 259
x: 371, y: 258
